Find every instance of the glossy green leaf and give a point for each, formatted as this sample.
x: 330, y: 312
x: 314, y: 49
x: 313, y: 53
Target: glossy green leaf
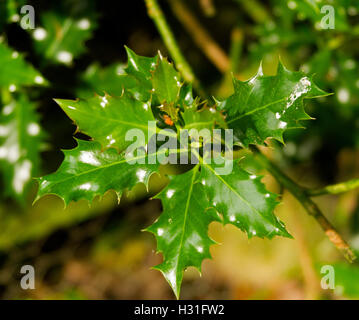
x: 107, y: 119
x: 266, y: 106
x: 182, y: 229
x: 20, y: 138
x: 15, y: 71
x: 87, y: 171
x: 140, y: 70
x: 242, y: 200
x: 166, y: 82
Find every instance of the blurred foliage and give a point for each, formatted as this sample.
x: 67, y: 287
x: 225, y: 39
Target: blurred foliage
x: 81, y: 52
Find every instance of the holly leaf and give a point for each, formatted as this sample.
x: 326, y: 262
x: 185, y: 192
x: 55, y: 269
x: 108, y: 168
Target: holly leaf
x: 61, y: 38
x: 15, y: 71
x: 185, y: 99
x: 242, y: 199
x: 139, y: 69
x: 107, y: 119
x: 182, y: 229
x: 87, y: 171
x: 166, y: 82
x: 204, y: 118
x: 20, y: 138
x: 266, y: 106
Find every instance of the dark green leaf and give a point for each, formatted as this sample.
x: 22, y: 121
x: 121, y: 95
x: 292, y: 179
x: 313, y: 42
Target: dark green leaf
x: 182, y: 229
x: 108, y: 119
x: 242, y: 200
x: 265, y: 106
x: 87, y: 171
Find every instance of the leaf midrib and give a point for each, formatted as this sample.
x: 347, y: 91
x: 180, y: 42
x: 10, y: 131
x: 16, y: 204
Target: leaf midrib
x: 185, y: 215
x: 256, y: 110
x: 239, y: 196
x: 100, y: 168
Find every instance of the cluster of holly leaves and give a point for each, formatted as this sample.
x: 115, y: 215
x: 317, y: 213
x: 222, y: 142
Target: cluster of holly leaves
x: 149, y: 89
x: 260, y: 108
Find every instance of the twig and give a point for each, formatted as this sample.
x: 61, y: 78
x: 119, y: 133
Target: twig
x: 335, y: 188
x: 208, y: 7
x: 255, y: 10
x: 308, y: 204
x: 200, y: 36
x: 156, y: 14
x: 236, y: 49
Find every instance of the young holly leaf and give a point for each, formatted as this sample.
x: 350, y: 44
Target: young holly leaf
x: 108, y: 119
x: 140, y: 69
x: 182, y: 229
x: 140, y: 66
x: 205, y: 118
x: 166, y: 82
x: 87, y: 171
x: 265, y: 106
x: 15, y: 71
x: 20, y: 138
x: 242, y: 200
x: 61, y: 38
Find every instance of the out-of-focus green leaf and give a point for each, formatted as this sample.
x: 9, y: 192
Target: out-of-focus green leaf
x: 20, y: 138
x: 343, y: 277
x: 15, y: 71
x: 60, y: 39
x: 9, y: 11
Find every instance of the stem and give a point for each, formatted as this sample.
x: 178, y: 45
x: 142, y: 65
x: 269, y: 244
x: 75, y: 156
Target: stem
x: 208, y: 7
x: 200, y: 36
x: 236, y: 49
x: 255, y: 10
x: 311, y: 208
x: 156, y: 14
x: 335, y: 188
